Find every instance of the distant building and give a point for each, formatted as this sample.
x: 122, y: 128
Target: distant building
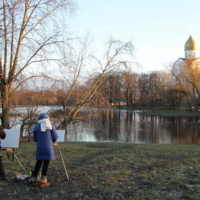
x: 182, y: 65
x: 119, y: 102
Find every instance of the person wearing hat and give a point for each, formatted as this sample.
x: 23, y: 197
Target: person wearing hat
x: 44, y: 134
x: 2, y: 172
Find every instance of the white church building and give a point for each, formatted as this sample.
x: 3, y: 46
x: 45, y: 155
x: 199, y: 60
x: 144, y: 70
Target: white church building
x: 182, y: 65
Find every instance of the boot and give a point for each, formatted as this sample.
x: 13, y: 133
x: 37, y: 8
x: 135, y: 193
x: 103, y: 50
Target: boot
x: 44, y: 184
x: 43, y: 181
x: 3, y: 176
x: 34, y: 180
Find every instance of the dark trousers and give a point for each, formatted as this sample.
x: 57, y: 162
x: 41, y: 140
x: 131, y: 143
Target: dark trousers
x: 44, y: 167
x: 2, y: 172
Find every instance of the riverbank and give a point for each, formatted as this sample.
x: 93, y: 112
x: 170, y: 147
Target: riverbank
x: 109, y: 171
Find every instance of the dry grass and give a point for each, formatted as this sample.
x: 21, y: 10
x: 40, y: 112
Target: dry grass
x: 110, y: 171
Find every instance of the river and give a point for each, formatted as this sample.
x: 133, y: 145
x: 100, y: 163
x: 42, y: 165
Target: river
x: 131, y: 127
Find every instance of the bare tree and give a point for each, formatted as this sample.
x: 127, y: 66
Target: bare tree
x: 130, y: 87
x: 187, y: 79
x: 143, y: 90
x: 173, y: 98
x: 116, y: 56
x: 111, y: 88
x: 152, y: 87
x: 31, y: 32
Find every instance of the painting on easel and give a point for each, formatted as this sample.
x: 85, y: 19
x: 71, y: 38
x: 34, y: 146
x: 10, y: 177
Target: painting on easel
x: 11, y: 140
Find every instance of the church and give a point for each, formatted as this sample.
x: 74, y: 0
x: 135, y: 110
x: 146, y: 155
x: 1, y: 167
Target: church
x: 183, y: 67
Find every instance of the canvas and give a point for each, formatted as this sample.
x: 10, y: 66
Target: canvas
x: 12, y: 139
x: 61, y: 135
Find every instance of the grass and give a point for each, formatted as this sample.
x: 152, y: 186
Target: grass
x: 110, y: 171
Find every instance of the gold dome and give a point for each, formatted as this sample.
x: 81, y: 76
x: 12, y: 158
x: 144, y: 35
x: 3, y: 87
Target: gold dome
x: 190, y: 44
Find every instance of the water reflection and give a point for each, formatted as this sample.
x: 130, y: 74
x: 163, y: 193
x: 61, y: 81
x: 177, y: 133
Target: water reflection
x: 131, y: 127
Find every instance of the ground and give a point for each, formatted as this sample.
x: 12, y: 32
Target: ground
x: 109, y: 171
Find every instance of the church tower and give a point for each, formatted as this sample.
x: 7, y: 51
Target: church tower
x: 181, y: 65
x: 190, y: 48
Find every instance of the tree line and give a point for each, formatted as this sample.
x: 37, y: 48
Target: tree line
x: 125, y: 89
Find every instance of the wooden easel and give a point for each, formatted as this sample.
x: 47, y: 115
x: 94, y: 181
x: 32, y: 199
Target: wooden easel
x: 56, y: 144
x: 12, y: 150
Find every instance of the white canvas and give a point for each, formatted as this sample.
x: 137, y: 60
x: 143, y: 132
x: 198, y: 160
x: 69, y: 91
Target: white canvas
x: 11, y: 140
x: 61, y: 135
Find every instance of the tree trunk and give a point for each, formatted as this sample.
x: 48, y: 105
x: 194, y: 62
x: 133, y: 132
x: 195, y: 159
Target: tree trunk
x: 5, y: 100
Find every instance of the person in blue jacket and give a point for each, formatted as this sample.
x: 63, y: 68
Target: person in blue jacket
x: 45, y: 135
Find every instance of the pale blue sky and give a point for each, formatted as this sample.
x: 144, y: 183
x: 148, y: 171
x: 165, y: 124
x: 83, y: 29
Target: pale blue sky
x: 158, y: 28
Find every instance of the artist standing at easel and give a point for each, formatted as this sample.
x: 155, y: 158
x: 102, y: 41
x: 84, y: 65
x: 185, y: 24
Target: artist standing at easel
x: 2, y: 172
x: 45, y: 135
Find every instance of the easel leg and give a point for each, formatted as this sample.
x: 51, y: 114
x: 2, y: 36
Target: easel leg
x: 19, y: 163
x: 63, y: 163
x: 14, y: 156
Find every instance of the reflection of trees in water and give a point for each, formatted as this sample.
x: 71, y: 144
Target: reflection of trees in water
x: 127, y: 126
x: 107, y: 124
x: 186, y: 133
x: 130, y: 117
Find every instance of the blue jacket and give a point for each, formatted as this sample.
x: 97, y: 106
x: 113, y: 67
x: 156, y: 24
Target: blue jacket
x: 45, y: 140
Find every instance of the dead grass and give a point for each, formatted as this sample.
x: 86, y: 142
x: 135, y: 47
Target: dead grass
x: 110, y: 171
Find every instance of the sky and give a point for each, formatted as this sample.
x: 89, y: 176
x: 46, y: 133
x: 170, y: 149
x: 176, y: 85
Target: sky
x: 157, y: 28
